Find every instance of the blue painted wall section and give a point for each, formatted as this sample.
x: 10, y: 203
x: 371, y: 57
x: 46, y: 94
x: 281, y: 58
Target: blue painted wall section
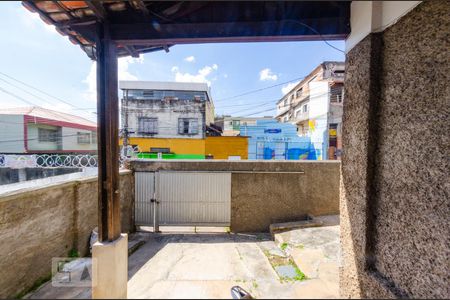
x: 269, y: 139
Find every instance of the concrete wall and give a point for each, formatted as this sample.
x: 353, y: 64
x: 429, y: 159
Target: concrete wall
x: 259, y: 199
x: 70, y: 140
x: 395, y: 190
x: 12, y: 131
x: 41, y: 223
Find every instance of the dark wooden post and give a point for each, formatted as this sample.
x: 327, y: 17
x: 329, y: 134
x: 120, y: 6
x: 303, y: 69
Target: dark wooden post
x: 108, y: 136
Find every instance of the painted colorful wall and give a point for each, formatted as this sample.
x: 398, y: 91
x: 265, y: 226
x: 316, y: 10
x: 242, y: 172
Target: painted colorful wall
x: 177, y: 146
x: 222, y: 147
x: 269, y: 139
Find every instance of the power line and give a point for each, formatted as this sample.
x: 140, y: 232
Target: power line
x: 39, y: 90
x: 18, y: 97
x: 316, y: 32
x: 258, y: 90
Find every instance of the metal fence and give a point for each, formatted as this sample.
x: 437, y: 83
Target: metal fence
x: 61, y: 160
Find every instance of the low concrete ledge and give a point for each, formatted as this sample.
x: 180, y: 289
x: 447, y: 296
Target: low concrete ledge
x: 150, y: 165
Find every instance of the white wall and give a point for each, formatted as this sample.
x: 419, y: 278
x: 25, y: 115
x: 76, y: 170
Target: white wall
x: 167, y: 118
x: 11, y: 129
x: 33, y: 141
x: 318, y: 113
x: 374, y: 16
x: 70, y: 140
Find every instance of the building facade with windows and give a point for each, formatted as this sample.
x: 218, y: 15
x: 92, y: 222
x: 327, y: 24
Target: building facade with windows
x: 34, y: 130
x: 166, y: 116
x: 315, y: 105
x: 231, y: 126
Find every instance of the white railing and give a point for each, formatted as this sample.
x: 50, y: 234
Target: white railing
x: 60, y: 160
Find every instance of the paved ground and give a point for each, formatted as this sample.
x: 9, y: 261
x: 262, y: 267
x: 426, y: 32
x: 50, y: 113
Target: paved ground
x: 207, y: 265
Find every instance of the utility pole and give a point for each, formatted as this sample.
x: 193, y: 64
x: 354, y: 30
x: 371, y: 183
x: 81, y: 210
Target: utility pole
x: 125, y: 126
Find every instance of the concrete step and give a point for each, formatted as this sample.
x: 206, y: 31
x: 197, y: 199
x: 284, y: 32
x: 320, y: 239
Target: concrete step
x: 280, y: 227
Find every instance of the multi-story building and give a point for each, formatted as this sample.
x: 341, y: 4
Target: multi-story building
x: 166, y: 116
x: 231, y: 126
x: 314, y: 105
x: 35, y: 130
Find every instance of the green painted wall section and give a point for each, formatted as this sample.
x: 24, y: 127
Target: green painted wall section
x: 171, y: 156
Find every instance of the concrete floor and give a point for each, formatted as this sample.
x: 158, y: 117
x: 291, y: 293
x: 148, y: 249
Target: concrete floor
x: 207, y: 265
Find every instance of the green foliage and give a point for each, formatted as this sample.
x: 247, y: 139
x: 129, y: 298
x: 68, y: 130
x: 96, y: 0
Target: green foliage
x: 284, y: 246
x: 255, y: 284
x: 300, y: 275
x: 299, y: 246
x: 73, y: 253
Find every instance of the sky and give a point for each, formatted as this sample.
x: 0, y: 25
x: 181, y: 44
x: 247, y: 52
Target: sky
x: 35, y: 54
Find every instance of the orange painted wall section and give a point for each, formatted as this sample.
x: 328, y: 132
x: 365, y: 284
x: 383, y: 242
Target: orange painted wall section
x: 178, y: 146
x: 221, y: 147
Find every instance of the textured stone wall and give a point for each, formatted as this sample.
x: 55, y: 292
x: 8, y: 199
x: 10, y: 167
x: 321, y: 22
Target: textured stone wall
x: 395, y: 205
x: 260, y: 199
x: 40, y: 223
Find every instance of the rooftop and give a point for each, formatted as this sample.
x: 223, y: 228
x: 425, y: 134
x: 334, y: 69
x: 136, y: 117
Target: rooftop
x: 323, y: 65
x: 39, y: 112
x: 165, y: 86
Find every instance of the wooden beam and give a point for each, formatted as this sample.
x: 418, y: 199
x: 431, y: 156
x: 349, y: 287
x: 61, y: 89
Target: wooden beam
x: 284, y: 30
x: 139, y: 4
x: 108, y: 136
x: 97, y: 7
x: 78, y: 22
x: 132, y: 51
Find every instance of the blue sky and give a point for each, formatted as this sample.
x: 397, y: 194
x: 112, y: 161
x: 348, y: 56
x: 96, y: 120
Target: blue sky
x: 36, y: 54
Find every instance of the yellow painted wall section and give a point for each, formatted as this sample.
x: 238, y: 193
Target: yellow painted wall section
x: 221, y: 147
x: 178, y: 146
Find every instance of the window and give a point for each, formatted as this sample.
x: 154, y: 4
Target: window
x: 148, y: 94
x: 94, y: 137
x: 47, y: 135
x: 148, y: 125
x: 305, y: 108
x: 236, y: 125
x: 187, y: 126
x: 83, y: 137
x: 299, y: 93
x: 336, y: 94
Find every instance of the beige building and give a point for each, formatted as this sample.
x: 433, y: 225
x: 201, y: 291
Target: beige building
x: 177, y: 110
x: 315, y: 106
x: 39, y: 130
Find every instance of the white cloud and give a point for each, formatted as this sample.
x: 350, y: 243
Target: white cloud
x: 266, y: 74
x: 201, y: 75
x: 190, y: 58
x: 286, y: 88
x: 123, y: 74
x: 32, y: 20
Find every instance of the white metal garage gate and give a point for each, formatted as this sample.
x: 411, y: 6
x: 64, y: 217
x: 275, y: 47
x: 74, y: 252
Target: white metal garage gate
x: 182, y: 198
